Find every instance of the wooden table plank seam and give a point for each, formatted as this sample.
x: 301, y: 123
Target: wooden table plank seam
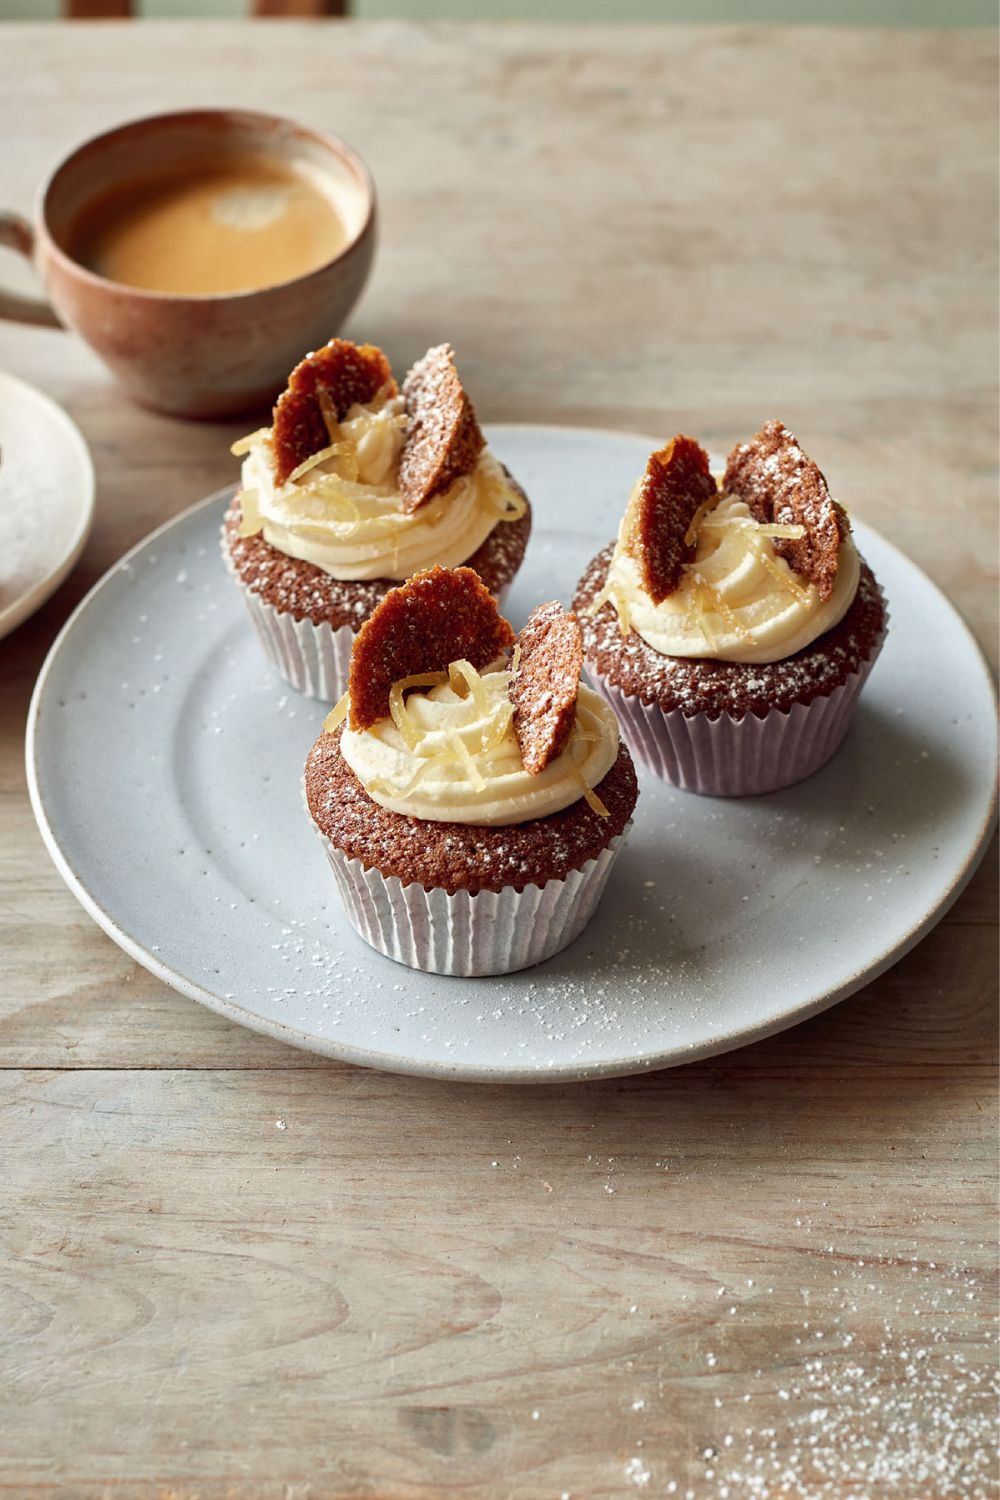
x: 234, y: 1272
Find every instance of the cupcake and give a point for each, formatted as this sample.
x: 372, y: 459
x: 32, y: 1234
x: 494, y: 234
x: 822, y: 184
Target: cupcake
x: 355, y: 486
x: 470, y: 793
x: 733, y: 623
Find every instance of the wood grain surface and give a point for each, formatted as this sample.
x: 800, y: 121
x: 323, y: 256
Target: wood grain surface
x: 234, y: 1270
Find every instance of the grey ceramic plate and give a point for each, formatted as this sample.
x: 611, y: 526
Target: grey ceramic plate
x: 164, y: 762
x: 46, y: 499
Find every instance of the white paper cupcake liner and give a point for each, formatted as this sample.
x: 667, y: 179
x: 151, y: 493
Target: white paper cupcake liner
x: 313, y: 659
x: 729, y: 757
x: 493, y: 932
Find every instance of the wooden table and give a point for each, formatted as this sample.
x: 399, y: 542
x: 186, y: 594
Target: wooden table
x: 769, y: 1274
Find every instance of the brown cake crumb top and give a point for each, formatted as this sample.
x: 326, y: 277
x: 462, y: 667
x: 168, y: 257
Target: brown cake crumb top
x: 699, y: 685
x: 348, y: 374
x: 781, y: 484
x: 676, y: 483
x: 546, y: 685
x: 437, y: 617
x: 443, y: 439
x: 469, y: 857
x: 303, y: 590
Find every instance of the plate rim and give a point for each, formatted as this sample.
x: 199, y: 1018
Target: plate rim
x: 24, y: 606
x: 500, y: 1073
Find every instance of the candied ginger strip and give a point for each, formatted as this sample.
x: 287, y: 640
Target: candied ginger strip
x: 251, y: 520
x: 337, y: 714
x: 244, y: 444
x: 593, y: 801
x: 699, y: 519
x: 499, y: 728
x: 464, y: 673
x: 611, y: 594
x: 722, y: 608
x: 591, y: 798
x: 464, y: 755
x: 702, y: 603
x: 786, y: 579
x: 328, y: 412
x: 506, y: 504
x: 411, y: 732
x: 387, y: 789
x: 788, y: 530
x: 341, y: 526
x: 385, y: 393
x: 336, y: 487
x: 314, y: 460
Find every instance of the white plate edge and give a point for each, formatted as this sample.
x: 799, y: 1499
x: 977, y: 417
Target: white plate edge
x: 569, y: 1072
x: 23, y: 608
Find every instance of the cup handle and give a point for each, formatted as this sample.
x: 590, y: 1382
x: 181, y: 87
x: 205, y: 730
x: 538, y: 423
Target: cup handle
x: 17, y: 234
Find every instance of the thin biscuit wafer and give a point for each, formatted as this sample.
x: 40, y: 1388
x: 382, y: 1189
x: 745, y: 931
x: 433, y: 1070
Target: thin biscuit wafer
x: 546, y: 685
x: 443, y: 440
x: 676, y: 482
x: 781, y: 484
x: 348, y: 373
x: 435, y: 618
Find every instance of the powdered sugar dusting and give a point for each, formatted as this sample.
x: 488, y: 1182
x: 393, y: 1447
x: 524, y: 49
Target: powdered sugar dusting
x: 305, y: 591
x: 719, y: 918
x: 780, y: 483
x: 443, y: 440
x: 715, y: 687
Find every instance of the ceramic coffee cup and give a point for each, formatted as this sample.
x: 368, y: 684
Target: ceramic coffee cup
x: 194, y: 356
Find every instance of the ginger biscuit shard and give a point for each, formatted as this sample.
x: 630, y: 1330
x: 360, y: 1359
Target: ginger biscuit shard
x: 677, y: 482
x: 337, y: 376
x: 781, y: 484
x: 443, y: 440
x: 545, y: 687
x: 437, y: 617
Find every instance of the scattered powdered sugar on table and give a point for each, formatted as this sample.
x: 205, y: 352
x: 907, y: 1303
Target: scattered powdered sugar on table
x: 890, y: 1391
x: 637, y: 1472
x: 874, y: 1378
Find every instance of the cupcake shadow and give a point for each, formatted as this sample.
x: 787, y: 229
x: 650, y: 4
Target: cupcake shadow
x: 638, y: 933
x: 889, y: 796
x: 886, y: 774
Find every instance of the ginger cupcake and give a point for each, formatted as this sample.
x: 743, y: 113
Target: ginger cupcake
x: 733, y: 623
x: 470, y: 793
x: 355, y: 486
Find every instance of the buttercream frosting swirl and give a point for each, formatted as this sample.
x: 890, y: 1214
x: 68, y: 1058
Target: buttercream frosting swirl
x: 451, y: 755
x: 738, y: 601
x: 342, y: 512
